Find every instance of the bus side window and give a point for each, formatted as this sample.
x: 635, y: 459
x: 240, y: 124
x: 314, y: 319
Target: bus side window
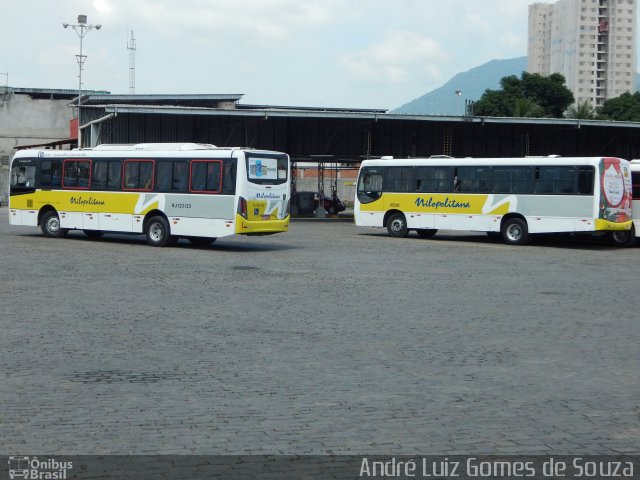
x: 138, y: 174
x: 114, y: 176
x: 198, y: 176
x: 213, y: 176
x: 84, y: 173
x: 164, y: 173
x: 180, y: 176
x: 400, y: 179
x: 229, y: 177
x: 635, y: 185
x: 69, y: 174
x: 50, y: 174
x: 586, y: 176
x: 205, y: 176
x: 100, y: 170
x: 131, y: 174
x: 555, y: 180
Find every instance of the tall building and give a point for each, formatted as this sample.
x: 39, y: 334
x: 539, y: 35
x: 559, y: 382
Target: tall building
x: 591, y: 42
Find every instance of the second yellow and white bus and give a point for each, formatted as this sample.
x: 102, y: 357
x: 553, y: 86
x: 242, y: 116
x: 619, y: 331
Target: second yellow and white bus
x: 512, y: 197
x: 165, y: 191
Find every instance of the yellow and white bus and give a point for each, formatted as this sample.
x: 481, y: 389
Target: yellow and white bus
x: 166, y: 191
x: 513, y: 197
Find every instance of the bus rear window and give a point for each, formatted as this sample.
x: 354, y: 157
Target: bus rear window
x: 267, y: 170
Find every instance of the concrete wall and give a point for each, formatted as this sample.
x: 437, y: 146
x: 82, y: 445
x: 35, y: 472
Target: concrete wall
x: 25, y: 121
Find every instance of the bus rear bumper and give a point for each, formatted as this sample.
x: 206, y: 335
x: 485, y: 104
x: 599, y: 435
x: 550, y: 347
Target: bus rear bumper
x: 260, y: 227
x: 606, y: 225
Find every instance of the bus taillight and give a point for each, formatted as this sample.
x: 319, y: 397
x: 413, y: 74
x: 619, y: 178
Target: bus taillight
x: 242, y: 207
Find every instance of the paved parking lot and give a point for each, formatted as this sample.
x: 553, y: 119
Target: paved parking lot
x: 326, y: 339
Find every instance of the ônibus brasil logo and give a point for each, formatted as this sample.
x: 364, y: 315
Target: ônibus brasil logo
x: 33, y: 468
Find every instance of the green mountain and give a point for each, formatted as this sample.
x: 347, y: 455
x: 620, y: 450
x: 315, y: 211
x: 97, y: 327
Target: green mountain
x: 471, y: 85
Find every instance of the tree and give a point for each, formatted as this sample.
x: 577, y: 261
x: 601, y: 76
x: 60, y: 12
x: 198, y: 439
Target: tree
x: 549, y: 94
x: 626, y: 107
x: 523, y: 107
x: 582, y: 109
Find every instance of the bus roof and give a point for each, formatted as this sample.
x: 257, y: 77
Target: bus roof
x: 155, y: 147
x: 136, y: 150
x: 471, y: 161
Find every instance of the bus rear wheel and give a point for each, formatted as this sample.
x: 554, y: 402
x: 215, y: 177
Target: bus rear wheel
x: 624, y: 238
x: 515, y: 231
x: 50, y: 225
x: 158, y: 232
x: 397, y: 225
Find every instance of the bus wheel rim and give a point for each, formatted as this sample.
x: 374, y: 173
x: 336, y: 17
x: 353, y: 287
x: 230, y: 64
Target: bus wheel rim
x: 514, y: 232
x: 155, y: 232
x: 397, y: 225
x: 621, y: 236
x: 53, y: 224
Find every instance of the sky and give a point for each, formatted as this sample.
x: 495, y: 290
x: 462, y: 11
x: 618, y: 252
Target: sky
x: 321, y: 53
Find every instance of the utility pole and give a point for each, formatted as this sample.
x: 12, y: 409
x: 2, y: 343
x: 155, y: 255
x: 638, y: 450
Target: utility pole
x: 131, y: 46
x: 81, y: 28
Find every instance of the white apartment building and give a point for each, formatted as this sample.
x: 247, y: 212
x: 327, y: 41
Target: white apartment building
x: 591, y: 42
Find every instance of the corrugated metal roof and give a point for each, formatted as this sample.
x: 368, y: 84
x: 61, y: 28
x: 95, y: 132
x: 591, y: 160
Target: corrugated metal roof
x: 374, y: 115
x: 162, y: 99
x: 308, y: 109
x: 53, y: 92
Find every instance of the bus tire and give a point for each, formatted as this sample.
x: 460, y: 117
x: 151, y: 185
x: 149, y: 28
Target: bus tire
x: 201, y: 241
x: 426, y: 232
x: 158, y: 232
x: 50, y: 225
x: 397, y: 225
x: 515, y: 231
x: 624, y: 238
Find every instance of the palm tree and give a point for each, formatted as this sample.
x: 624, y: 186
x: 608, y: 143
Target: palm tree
x: 582, y: 109
x: 523, y: 107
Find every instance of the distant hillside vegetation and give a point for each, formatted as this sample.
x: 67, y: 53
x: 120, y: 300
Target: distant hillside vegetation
x: 472, y: 84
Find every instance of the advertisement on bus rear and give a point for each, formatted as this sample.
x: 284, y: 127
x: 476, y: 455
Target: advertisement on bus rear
x: 615, y: 186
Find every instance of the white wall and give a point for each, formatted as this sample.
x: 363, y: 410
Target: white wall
x: 26, y: 121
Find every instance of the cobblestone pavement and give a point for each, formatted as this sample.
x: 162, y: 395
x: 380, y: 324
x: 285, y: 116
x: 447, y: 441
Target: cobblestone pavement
x: 326, y: 339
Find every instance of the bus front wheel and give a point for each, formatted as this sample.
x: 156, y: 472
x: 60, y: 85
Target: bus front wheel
x: 158, y: 232
x: 515, y: 231
x: 397, y: 225
x: 50, y: 225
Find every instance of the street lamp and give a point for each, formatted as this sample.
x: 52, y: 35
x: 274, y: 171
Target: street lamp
x: 81, y: 29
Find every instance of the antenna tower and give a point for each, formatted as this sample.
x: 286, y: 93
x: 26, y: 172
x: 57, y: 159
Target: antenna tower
x: 131, y: 46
